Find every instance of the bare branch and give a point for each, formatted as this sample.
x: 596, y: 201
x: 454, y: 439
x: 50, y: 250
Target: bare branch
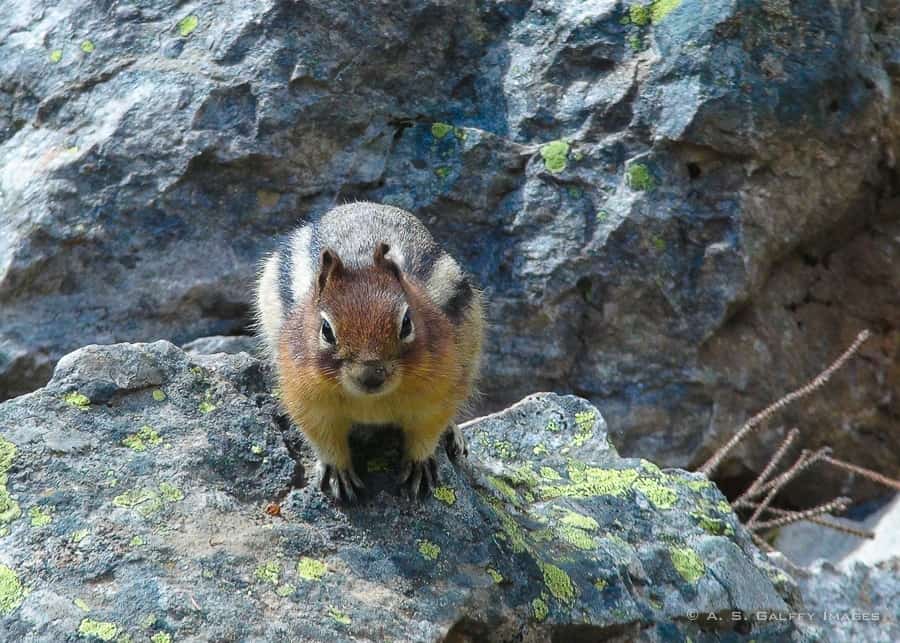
x: 838, y: 504
x: 710, y: 465
x: 824, y: 522
x: 803, y: 462
x: 770, y: 467
x: 865, y: 473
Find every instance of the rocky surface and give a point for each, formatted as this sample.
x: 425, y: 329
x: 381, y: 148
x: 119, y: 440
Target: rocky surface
x: 859, y: 604
x: 647, y: 189
x: 150, y: 494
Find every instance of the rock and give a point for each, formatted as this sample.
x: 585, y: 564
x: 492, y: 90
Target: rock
x: 859, y: 604
x: 180, y: 506
x: 645, y: 191
x: 222, y: 344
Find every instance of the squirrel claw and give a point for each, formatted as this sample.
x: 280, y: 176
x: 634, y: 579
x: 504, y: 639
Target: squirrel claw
x: 455, y: 443
x: 416, y: 477
x: 342, y: 485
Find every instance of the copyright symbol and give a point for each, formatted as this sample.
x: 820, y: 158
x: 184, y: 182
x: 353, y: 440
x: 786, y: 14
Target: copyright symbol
x: 692, y: 615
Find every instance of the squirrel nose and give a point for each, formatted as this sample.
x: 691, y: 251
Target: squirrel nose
x: 373, y: 374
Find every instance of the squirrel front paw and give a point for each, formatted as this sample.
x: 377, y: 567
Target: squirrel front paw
x: 343, y: 485
x: 420, y: 477
x: 455, y: 443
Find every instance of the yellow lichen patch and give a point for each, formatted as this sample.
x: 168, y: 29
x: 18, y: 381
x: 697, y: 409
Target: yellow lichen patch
x: 440, y: 130
x: 87, y: 47
x: 503, y: 487
x: 591, y: 481
x: 660, y: 495
x: 540, y: 609
x: 39, y: 516
x: 495, y: 575
x: 687, y: 563
x: 170, y: 492
x: 102, y: 630
x: 429, y: 550
x: 554, y: 155
x: 158, y: 395
x: 712, y: 525
x: 600, y: 584
x: 11, y: 590
x: 285, y: 590
x: 549, y: 473
x: 446, y: 495
x: 79, y: 535
x: 339, y: 616
x: 558, y: 582
x: 9, y: 508
x: 187, y: 25
x: 311, y: 569
x: 662, y: 8
x: 76, y: 399
x: 56, y: 55
x: 584, y: 426
x: 579, y: 520
x: 539, y: 449
x: 268, y: 572
x: 161, y: 637
x: 82, y: 605
x: 146, y: 438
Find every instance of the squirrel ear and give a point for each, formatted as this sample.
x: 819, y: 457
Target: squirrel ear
x: 381, y: 260
x: 330, y: 267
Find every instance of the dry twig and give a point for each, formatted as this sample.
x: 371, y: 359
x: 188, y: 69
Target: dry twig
x: 710, y: 465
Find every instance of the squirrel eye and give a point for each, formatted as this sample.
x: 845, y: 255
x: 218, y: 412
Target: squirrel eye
x: 327, y: 332
x: 406, y: 326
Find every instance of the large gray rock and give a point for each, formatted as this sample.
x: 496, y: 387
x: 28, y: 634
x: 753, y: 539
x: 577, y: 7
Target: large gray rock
x: 681, y: 209
x: 858, y: 604
x: 136, y: 487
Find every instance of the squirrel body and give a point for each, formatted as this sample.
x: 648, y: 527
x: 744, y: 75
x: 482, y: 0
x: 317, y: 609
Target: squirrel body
x: 370, y: 321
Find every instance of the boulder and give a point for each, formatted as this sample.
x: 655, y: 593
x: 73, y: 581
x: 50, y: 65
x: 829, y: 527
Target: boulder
x: 680, y: 209
x: 148, y: 493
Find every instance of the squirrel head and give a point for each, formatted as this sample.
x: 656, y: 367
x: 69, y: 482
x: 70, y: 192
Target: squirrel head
x: 369, y: 324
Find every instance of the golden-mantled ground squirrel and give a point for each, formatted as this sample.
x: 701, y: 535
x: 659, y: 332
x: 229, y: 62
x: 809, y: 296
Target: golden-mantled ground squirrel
x: 370, y: 321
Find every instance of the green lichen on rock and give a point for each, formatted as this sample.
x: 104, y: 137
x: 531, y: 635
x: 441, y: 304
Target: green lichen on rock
x: 440, y: 130
x: 311, y: 569
x: 11, y: 590
x: 56, y: 55
x: 429, y: 550
x: 170, y: 492
x: 496, y: 576
x: 579, y: 521
x: 662, y: 8
x: 558, y: 582
x: 136, y: 541
x: 339, y: 616
x: 504, y: 449
x: 442, y: 171
x: 79, y: 535
x: 539, y: 449
x: 39, y: 516
x: 576, y: 537
x: 504, y: 488
x: 9, y: 508
x: 103, y: 630
x: 268, y: 572
x: 87, y: 47
x: 687, y: 563
x: 76, y: 399
x: 589, y: 481
x: 639, y: 14
x: 285, y: 590
x: 554, y: 155
x: 206, y: 406
x: 600, y: 584
x: 146, y: 438
x: 161, y: 637
x: 639, y: 178
x: 712, y: 525
x: 158, y: 395
x: 82, y: 605
x: 656, y: 492
x: 446, y: 495
x: 584, y: 426
x: 257, y: 450
x: 549, y: 473
x: 187, y: 25
x: 540, y: 609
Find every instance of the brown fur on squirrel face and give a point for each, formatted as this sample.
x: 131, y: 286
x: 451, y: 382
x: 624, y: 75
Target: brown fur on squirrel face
x: 389, y: 338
